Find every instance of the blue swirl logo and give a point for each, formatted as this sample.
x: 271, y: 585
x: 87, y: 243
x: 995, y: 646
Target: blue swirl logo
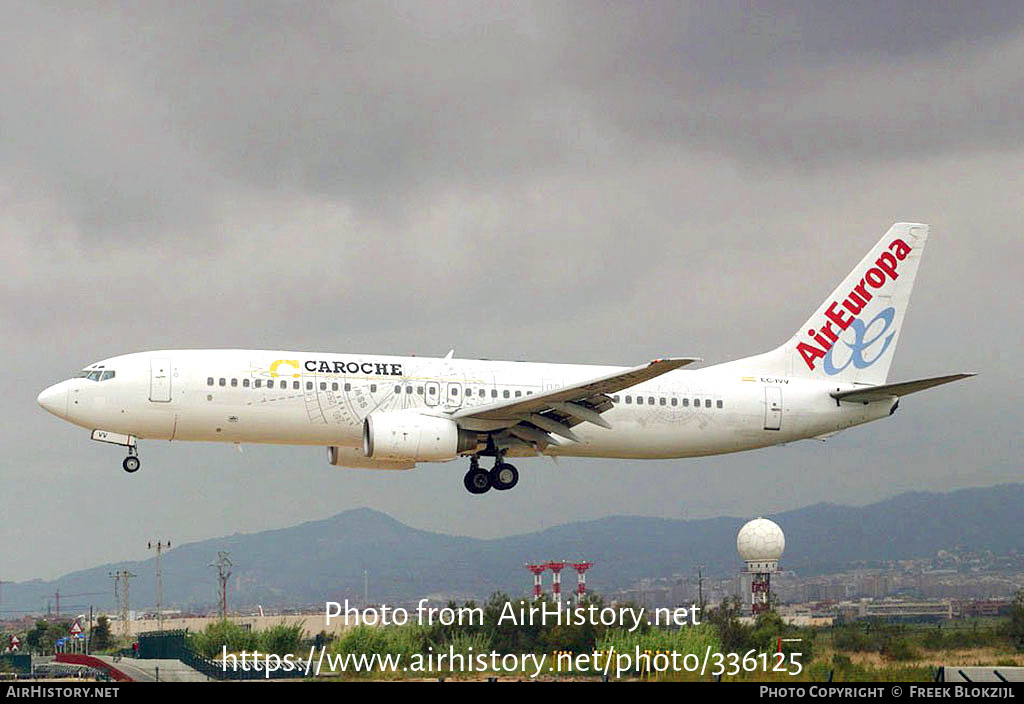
x: 862, y: 342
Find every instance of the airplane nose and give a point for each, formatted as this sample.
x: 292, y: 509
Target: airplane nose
x: 55, y: 400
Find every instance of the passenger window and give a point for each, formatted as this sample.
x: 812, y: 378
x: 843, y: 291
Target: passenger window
x: 650, y: 400
x: 629, y: 399
x: 707, y: 403
x: 245, y: 383
x: 615, y: 398
x: 518, y: 394
x: 696, y: 403
x: 505, y: 393
x: 323, y: 386
x: 639, y: 400
x: 234, y: 382
x: 675, y: 401
x: 494, y: 393
x: 454, y: 391
x: 348, y: 387
x: 719, y: 403
x: 334, y: 386
x: 686, y: 403
x: 469, y: 392
x: 398, y: 389
x: 295, y: 385
x: 258, y: 383
x: 408, y: 389
x: 209, y: 381
x: 662, y: 400
x: 373, y: 388
x: 419, y: 390
x: 222, y: 381
x: 309, y: 386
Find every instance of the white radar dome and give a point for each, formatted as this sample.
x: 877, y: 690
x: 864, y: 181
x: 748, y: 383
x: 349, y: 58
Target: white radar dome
x: 760, y: 540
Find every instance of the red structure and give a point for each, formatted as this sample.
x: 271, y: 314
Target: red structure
x: 581, y: 577
x: 760, y: 591
x: 556, y: 579
x: 537, y: 570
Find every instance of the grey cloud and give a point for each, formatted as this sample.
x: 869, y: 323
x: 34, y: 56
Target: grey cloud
x: 573, y: 183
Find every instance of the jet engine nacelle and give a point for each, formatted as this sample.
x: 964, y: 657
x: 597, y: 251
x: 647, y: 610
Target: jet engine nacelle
x: 412, y: 436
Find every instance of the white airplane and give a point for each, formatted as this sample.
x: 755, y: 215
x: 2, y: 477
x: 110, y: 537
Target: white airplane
x: 376, y: 412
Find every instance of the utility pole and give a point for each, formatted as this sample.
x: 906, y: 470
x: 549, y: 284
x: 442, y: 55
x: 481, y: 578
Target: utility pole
x: 700, y: 588
x: 122, y: 591
x: 56, y: 596
x: 223, y: 573
x: 159, y: 547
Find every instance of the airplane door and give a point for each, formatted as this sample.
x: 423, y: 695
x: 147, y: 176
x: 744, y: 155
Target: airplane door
x: 432, y: 393
x: 454, y: 394
x: 772, y: 408
x: 160, y: 380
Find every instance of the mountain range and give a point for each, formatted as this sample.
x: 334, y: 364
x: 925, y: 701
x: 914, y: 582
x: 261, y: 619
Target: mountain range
x: 325, y: 560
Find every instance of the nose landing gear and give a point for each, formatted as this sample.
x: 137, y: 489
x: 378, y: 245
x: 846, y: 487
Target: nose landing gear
x: 501, y: 477
x: 132, y: 462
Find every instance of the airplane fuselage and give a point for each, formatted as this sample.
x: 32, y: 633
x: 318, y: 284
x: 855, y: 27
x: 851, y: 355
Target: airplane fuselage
x: 301, y: 398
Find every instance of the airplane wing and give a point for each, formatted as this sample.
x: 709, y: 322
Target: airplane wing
x: 556, y: 411
x: 885, y: 391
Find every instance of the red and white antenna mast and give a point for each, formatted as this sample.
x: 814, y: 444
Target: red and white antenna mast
x: 537, y: 569
x: 556, y: 578
x: 581, y: 578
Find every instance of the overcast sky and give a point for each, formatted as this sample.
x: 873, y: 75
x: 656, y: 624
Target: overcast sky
x: 573, y: 182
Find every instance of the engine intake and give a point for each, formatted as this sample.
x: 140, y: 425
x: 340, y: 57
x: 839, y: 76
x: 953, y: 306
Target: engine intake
x: 410, y: 435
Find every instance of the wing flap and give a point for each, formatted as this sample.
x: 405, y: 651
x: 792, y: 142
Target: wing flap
x: 903, y: 388
x: 563, y: 398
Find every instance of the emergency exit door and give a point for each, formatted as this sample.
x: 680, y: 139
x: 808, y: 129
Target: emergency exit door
x: 772, y: 408
x: 160, y: 380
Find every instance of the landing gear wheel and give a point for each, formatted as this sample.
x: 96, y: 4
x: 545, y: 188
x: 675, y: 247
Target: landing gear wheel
x: 477, y: 481
x: 131, y: 464
x: 503, y: 477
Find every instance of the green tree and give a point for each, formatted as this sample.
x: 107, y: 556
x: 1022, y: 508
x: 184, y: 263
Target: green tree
x: 735, y: 637
x: 509, y: 636
x: 42, y: 637
x: 101, y: 638
x: 1015, y: 628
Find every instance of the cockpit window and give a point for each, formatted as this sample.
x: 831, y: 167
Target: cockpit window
x: 95, y: 374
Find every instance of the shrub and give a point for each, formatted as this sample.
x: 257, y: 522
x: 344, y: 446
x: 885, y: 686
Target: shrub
x: 899, y: 649
x: 212, y: 640
x: 282, y: 639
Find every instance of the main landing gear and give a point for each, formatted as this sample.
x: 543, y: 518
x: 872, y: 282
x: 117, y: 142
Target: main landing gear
x: 501, y: 477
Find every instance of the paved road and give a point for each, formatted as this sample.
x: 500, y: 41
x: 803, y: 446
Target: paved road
x: 146, y: 670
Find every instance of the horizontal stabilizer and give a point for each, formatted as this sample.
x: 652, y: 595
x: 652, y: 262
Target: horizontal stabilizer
x: 885, y: 391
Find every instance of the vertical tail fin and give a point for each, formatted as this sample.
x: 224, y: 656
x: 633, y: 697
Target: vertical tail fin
x: 852, y: 335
